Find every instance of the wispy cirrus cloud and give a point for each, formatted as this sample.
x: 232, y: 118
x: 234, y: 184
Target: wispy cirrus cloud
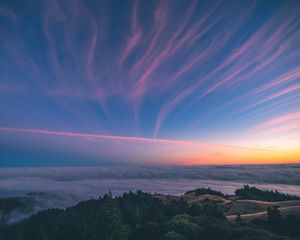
x: 117, y: 138
x: 148, y: 68
x: 135, y: 34
x: 280, y: 124
x: 280, y: 119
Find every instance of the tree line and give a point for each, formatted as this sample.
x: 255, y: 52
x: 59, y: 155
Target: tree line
x: 139, y: 215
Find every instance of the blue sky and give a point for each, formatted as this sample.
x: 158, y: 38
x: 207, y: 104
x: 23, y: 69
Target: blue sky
x: 216, y: 73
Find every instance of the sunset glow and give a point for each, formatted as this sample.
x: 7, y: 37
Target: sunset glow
x: 149, y: 82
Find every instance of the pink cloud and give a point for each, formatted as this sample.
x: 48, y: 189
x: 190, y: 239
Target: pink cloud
x: 283, y: 128
x: 114, y: 138
x: 136, y: 33
x: 261, y: 60
x: 214, y: 46
x: 286, y: 78
x: 280, y: 124
x: 280, y: 119
x: 160, y: 20
x: 171, y: 47
x: 277, y: 94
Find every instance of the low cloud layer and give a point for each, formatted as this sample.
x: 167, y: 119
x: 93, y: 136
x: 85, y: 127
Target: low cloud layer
x: 66, y: 186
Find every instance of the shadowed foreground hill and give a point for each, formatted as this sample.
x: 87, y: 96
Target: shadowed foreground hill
x: 142, y: 216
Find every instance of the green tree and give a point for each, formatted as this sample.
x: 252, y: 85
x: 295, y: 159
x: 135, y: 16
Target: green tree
x: 274, y: 215
x: 172, y: 235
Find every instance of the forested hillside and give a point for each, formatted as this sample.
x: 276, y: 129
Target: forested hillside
x: 254, y: 193
x: 142, y: 216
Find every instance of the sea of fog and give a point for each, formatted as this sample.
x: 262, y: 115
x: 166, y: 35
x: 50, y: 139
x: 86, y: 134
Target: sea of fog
x: 81, y: 183
x: 65, y: 186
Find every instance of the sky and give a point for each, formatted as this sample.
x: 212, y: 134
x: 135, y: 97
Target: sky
x: 149, y: 82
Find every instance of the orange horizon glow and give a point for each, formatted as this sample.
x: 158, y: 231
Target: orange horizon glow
x: 170, y: 151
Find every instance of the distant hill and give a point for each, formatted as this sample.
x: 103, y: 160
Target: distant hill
x: 202, y: 191
x: 254, y: 193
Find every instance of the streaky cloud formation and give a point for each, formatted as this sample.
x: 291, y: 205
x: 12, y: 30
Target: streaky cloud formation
x: 112, y: 137
x: 282, y: 119
x: 219, y: 74
x: 280, y: 124
x: 134, y: 149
